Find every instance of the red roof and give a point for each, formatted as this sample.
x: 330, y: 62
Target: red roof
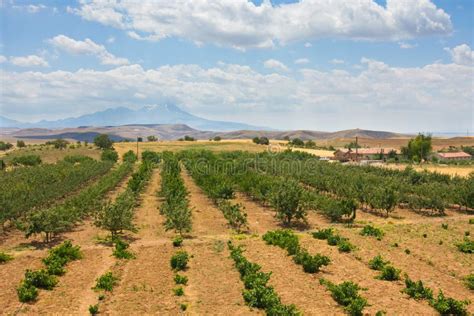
x: 459, y: 154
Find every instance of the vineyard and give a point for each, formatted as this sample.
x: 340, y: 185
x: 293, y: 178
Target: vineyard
x: 234, y: 232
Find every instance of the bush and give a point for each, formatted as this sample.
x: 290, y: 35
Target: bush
x: 469, y: 281
x: 121, y: 251
x: 5, y: 146
x: 106, y: 282
x: 109, y: 155
x: 4, y: 257
x: 234, y: 214
x: 181, y: 279
x: 467, y: 246
x: 94, y: 309
x: 323, y: 233
x: 345, y: 246
x: 449, y: 306
x: 151, y: 156
x: 129, y: 156
x: 177, y: 241
x: 311, y: 264
x: 178, y: 291
x: 179, y: 260
x: 285, y: 239
x: 377, y: 263
x: 347, y: 294
x: 417, y: 290
x: 389, y: 273
x: 471, y: 221
x: 370, y: 230
x: 27, y: 160
x: 27, y: 292
x: 20, y: 144
x: 40, y: 279
x: 76, y: 158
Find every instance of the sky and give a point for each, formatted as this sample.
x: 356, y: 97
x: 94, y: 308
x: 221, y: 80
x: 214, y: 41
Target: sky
x: 395, y: 65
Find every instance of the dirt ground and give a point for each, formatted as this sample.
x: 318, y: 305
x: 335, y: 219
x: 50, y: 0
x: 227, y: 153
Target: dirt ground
x: 214, y: 288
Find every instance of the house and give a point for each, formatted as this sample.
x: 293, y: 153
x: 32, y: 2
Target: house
x: 349, y: 154
x: 460, y: 155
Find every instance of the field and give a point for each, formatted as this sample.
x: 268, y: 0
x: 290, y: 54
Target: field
x: 219, y: 200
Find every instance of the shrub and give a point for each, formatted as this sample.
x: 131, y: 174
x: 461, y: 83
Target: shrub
x: 178, y: 291
x: 106, y: 282
x: 347, y: 295
x: 334, y: 240
x: 151, y: 156
x: 121, y: 251
x: 370, y: 230
x: 129, y: 156
x: 94, y: 309
x: 466, y: 246
x: 311, y: 264
x: 40, y: 279
x: 389, y: 273
x: 27, y: 292
x: 471, y: 221
x: 377, y: 263
x: 4, y: 257
x: 417, y: 290
x: 345, y: 246
x: 323, y: 233
x: 20, y: 144
x: 27, y: 160
x: 449, y: 306
x: 60, y: 255
x: 181, y: 279
x: 469, y: 281
x: 179, y: 260
x: 234, y: 214
x: 444, y: 226
x: 285, y: 239
x: 177, y: 241
x: 407, y: 251
x: 109, y: 155
x: 288, y: 201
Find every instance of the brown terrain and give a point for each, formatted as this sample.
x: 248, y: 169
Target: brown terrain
x: 214, y: 288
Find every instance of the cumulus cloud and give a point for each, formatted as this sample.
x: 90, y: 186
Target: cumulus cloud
x: 462, y: 54
x: 29, y: 61
x: 302, y: 61
x: 31, y: 8
x: 275, y: 65
x: 336, y: 61
x: 87, y: 47
x: 242, y: 24
x: 405, y: 45
x: 2, y: 59
x: 376, y: 96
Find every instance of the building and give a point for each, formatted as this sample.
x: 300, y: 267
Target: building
x: 460, y: 155
x: 349, y: 154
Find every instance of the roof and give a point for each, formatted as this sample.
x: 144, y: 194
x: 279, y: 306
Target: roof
x: 459, y: 154
x: 368, y: 151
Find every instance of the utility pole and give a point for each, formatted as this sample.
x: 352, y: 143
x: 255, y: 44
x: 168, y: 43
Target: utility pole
x: 137, y: 147
x: 357, y: 149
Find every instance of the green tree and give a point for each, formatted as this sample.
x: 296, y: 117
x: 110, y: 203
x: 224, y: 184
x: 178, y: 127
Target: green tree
x: 5, y: 146
x: 118, y: 216
x: 297, y: 142
x: 152, y: 138
x: 310, y: 144
x: 129, y: 156
x: 58, y: 143
x: 217, y: 138
x: 109, y: 155
x: 418, y: 148
x: 20, y: 144
x: 288, y: 201
x: 103, y: 141
x: 179, y: 218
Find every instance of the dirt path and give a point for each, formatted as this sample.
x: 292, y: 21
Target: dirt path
x: 291, y: 283
x: 207, y: 219
x: 260, y: 218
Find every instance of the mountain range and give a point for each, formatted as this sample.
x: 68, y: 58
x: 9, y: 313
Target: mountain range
x: 159, y: 114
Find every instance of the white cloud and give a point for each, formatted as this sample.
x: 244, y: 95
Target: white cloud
x: 377, y: 96
x: 336, y: 61
x: 29, y: 61
x: 302, y: 61
x: 462, y: 54
x: 31, y: 8
x: 307, y: 45
x: 405, y: 45
x: 242, y: 24
x: 275, y: 65
x: 2, y: 59
x: 87, y: 47
x: 111, y: 40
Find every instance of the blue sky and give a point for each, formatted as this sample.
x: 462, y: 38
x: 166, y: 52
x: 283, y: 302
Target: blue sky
x: 311, y: 64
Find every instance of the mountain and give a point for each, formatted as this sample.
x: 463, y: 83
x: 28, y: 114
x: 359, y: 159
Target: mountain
x: 160, y: 114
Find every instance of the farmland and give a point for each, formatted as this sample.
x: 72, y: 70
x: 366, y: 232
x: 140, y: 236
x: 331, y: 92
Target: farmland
x: 226, y: 228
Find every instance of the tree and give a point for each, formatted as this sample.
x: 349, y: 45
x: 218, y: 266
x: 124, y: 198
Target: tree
x: 20, y: 144
x: 189, y: 138
x: 352, y: 145
x: 152, y: 138
x: 256, y: 140
x: 264, y: 141
x: 58, y: 143
x: 179, y: 218
x: 129, y: 156
x: 297, y: 142
x: 217, y: 138
x: 418, y: 148
x: 118, y: 216
x: 288, y: 201
x: 5, y: 146
x: 103, y: 141
x: 109, y: 154
x: 310, y: 144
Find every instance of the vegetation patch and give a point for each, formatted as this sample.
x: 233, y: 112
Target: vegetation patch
x: 369, y: 230
x: 179, y: 261
x: 378, y: 263
x: 106, y: 282
x: 347, y: 295
x: 5, y: 257
x: 466, y: 246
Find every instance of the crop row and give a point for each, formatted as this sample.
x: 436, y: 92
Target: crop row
x: 175, y: 206
x: 26, y: 188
